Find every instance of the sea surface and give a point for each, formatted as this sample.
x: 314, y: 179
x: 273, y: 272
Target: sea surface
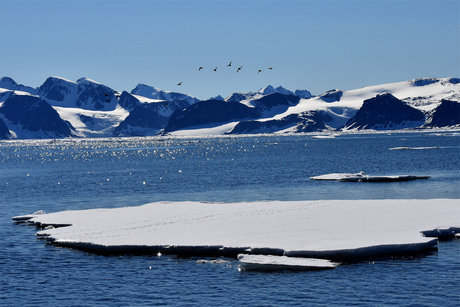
x: 57, y: 175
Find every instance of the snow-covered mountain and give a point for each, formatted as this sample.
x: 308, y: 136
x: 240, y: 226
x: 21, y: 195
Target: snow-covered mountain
x: 335, y: 108
x: 384, y: 112
x: 444, y: 115
x: 246, y: 98
x: 147, y: 116
x: 93, y: 109
x: 85, y: 94
x: 281, y: 90
x: 86, y: 108
x: 30, y: 115
x: 154, y: 93
x: 9, y: 84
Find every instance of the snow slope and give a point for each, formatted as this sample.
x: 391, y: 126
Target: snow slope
x: 91, y: 123
x: 423, y: 97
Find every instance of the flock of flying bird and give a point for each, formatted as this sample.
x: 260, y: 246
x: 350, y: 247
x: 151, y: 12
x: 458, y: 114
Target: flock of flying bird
x: 228, y: 65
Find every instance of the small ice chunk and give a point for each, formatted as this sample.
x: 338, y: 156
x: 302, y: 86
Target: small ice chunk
x: 413, y: 148
x: 213, y: 261
x: 269, y: 262
x: 25, y: 218
x: 363, y: 177
x: 322, y: 136
x: 337, y: 176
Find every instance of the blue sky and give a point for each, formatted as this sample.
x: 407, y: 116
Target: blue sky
x: 314, y: 44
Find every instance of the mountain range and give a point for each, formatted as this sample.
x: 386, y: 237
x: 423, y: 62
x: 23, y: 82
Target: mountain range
x: 61, y: 108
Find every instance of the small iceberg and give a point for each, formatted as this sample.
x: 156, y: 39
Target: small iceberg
x: 363, y: 177
x: 277, y: 263
x: 324, y: 136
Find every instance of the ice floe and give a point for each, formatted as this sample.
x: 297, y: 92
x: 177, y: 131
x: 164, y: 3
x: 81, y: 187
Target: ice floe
x: 342, y: 230
x: 413, y: 148
x: 324, y: 136
x: 27, y: 217
x: 363, y: 177
x: 270, y: 262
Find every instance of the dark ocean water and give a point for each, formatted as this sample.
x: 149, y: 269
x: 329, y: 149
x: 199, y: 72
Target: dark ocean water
x: 82, y: 174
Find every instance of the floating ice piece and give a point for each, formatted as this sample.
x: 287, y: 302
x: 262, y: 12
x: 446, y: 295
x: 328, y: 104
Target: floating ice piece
x: 338, y: 230
x: 269, y: 263
x: 363, y: 177
x: 324, y: 136
x: 25, y: 218
x: 213, y: 261
x: 413, y: 148
x: 442, y: 232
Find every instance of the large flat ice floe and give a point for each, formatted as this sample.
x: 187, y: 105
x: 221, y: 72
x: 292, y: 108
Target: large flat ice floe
x: 329, y: 229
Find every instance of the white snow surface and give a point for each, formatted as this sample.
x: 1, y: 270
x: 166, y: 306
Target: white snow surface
x: 424, y: 98
x: 282, y: 262
x: 326, y: 225
x: 102, y: 124
x: 337, y: 176
x: 146, y: 99
x: 205, y: 131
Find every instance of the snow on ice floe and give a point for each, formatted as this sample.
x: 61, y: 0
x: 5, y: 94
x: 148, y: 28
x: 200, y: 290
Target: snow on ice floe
x: 270, y: 262
x: 363, y: 177
x: 329, y: 229
x: 27, y: 217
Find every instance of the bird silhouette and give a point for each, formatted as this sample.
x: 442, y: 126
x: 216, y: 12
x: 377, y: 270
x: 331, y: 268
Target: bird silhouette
x: 200, y: 68
x: 180, y: 83
x: 215, y: 69
x: 239, y: 68
x: 270, y: 68
x: 229, y: 64
x: 260, y: 70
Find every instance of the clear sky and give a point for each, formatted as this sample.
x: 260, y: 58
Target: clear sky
x: 314, y: 44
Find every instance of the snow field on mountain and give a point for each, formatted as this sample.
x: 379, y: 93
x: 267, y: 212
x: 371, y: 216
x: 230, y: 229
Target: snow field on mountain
x: 211, y: 131
x: 352, y: 100
x: 101, y: 123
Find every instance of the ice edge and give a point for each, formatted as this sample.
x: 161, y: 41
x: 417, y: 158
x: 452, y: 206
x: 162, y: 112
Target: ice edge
x: 339, y: 255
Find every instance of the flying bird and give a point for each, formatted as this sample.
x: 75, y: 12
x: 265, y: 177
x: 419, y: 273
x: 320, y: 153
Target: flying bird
x: 215, y: 69
x: 200, y: 68
x: 260, y: 70
x: 239, y: 68
x: 180, y: 83
x: 270, y: 68
x: 229, y: 64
